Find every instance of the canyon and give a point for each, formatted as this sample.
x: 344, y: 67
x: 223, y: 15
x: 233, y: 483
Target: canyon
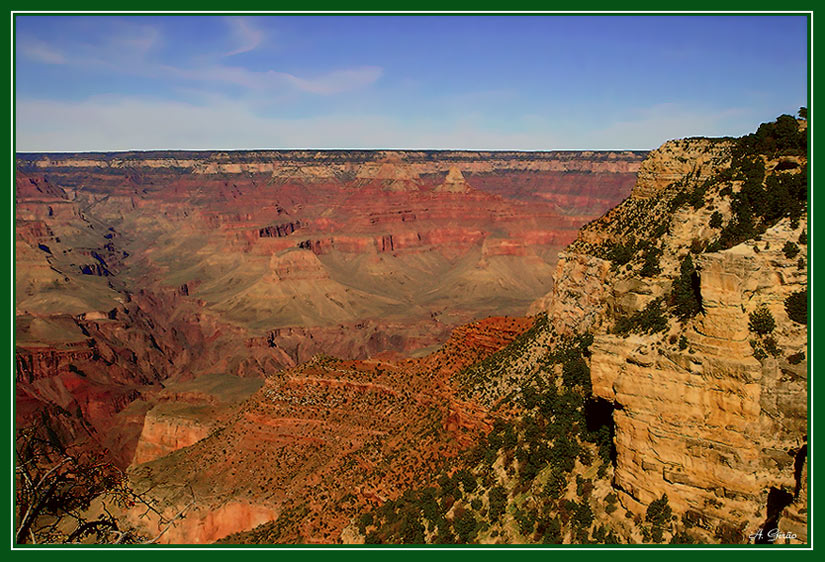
x: 409, y: 347
x: 140, y: 272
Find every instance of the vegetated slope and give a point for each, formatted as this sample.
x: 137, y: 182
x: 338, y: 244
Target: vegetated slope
x: 319, y: 442
x: 139, y: 270
x: 666, y: 398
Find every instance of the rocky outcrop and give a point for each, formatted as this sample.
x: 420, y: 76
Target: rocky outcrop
x: 323, y: 165
x: 279, y: 230
x: 579, y: 293
x: 164, y: 432
x: 454, y: 183
x: 711, y: 426
x: 674, y: 160
x: 702, y: 412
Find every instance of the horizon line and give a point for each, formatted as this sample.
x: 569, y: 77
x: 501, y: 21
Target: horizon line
x: 303, y: 149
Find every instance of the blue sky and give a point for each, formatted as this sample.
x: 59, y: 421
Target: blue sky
x: 476, y: 82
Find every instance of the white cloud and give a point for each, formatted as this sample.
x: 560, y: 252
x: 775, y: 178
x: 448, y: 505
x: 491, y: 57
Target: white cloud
x: 127, y: 49
x: 124, y: 123
x: 39, y: 51
x: 337, y: 81
x: 245, y: 34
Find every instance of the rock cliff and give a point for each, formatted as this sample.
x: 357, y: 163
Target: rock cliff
x: 710, y: 407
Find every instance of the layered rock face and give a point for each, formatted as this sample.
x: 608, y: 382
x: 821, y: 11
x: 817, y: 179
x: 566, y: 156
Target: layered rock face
x: 708, y: 410
x: 322, y: 440
x: 140, y: 270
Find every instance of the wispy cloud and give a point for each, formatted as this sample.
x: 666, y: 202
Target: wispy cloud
x: 133, y: 49
x: 122, y: 47
x: 245, y: 34
x: 337, y: 81
x: 40, y: 51
x: 220, y: 122
x: 334, y: 82
x: 124, y: 123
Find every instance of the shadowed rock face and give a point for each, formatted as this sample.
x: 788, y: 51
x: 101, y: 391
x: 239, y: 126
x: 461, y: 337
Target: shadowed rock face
x: 141, y: 270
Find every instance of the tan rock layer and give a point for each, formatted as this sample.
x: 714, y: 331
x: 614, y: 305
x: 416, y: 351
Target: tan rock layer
x: 709, y: 425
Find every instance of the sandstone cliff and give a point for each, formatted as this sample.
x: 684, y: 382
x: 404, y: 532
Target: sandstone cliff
x: 708, y: 410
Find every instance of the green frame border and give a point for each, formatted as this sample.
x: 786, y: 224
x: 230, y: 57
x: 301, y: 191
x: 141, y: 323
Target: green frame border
x: 427, y: 8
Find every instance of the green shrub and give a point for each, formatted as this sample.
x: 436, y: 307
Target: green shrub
x: 468, y: 481
x: 364, y: 521
x: 526, y: 522
x: 621, y: 253
x: 697, y: 196
x: 412, y: 530
x: 715, y: 220
x: 555, y: 485
x: 803, y: 238
x: 796, y: 358
x: 684, y: 294
x: 650, y: 265
x: 466, y: 526
x: 445, y: 534
x: 790, y: 249
x: 658, y: 515
x: 714, y: 246
x: 576, y: 372
x: 497, y: 497
x: 796, y: 305
x: 582, y: 515
x: 649, y: 320
x: 771, y: 347
x: 761, y: 321
x: 552, y: 532
x: 782, y: 136
x: 682, y: 538
x: 697, y: 246
x: 758, y: 352
x: 764, y: 199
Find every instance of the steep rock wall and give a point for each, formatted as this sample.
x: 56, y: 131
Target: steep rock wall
x: 698, y: 415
